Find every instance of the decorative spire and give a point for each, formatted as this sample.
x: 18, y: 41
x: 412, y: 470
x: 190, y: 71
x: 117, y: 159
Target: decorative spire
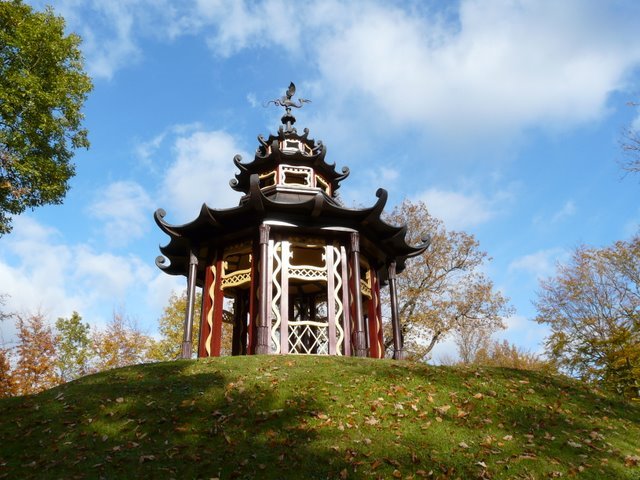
x: 287, y: 102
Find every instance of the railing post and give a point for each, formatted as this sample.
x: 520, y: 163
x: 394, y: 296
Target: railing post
x: 360, y: 335
x: 398, y: 351
x: 262, y: 346
x: 191, y: 297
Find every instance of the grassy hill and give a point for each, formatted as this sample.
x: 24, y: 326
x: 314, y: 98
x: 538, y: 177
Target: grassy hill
x: 274, y: 417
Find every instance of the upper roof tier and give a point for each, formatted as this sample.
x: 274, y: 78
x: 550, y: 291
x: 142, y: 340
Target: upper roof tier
x: 288, y: 161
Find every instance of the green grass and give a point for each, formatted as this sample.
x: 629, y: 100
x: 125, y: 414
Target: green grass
x: 278, y: 417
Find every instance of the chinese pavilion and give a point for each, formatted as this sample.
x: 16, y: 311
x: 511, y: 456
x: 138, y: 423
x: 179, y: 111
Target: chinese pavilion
x: 302, y: 271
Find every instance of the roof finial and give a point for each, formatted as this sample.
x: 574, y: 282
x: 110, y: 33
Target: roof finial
x: 287, y: 102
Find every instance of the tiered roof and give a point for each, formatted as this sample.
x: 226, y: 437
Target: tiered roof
x: 289, y: 184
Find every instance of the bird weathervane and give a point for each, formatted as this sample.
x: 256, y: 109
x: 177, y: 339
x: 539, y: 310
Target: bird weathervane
x: 287, y: 102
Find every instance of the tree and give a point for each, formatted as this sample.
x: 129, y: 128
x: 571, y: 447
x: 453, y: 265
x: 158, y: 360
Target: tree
x: 506, y: 355
x: 36, y: 356
x: 74, y: 347
x: 120, y: 344
x: 631, y: 147
x: 7, y: 383
x: 171, y: 323
x: 172, y: 328
x: 42, y: 90
x: 470, y: 340
x: 592, y: 306
x: 442, y: 291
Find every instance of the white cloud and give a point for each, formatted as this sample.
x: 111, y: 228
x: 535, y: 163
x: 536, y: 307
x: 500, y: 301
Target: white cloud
x: 125, y: 210
x: 567, y: 210
x: 239, y: 24
x: 461, y: 211
x: 540, y: 264
x: 524, y: 333
x: 505, y: 65
x: 200, y: 173
x: 487, y: 68
x: 39, y: 272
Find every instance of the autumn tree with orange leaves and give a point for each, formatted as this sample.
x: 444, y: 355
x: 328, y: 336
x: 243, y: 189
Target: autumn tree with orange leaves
x: 120, y: 344
x: 7, y: 383
x: 443, y: 290
x: 35, y: 368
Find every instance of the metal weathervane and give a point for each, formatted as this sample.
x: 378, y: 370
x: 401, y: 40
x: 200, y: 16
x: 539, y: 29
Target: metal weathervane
x: 287, y: 102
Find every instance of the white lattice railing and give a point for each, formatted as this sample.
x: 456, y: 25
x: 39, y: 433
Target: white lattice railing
x: 309, y: 337
x: 275, y: 300
x: 337, y: 296
x: 308, y: 273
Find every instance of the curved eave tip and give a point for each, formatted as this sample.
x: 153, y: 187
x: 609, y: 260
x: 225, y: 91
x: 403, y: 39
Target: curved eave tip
x: 158, y: 216
x: 426, y: 241
x: 162, y: 263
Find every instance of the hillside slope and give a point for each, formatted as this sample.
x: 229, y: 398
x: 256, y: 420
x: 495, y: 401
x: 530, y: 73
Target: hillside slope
x: 274, y: 417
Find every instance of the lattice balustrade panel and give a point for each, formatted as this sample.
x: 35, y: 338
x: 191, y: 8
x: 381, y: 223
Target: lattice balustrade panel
x: 337, y: 297
x: 276, y: 279
x: 309, y: 337
x: 308, y: 273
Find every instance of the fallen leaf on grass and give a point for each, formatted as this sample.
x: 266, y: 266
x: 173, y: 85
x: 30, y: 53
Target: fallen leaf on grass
x: 146, y: 458
x: 371, y: 420
x: 443, y: 409
x: 632, y: 460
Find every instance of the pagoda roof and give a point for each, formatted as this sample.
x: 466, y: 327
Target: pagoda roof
x: 275, y: 151
x: 216, y: 228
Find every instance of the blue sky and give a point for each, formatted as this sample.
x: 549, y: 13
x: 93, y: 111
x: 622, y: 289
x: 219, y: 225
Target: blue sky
x: 503, y: 116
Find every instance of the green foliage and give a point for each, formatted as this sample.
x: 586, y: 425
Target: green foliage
x: 42, y: 90
x: 311, y: 417
x: 171, y: 326
x: 592, y: 306
x: 73, y: 347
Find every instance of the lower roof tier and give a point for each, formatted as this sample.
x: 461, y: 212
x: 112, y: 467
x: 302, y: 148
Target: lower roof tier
x: 313, y: 214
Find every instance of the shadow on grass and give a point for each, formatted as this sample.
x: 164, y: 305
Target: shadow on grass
x: 165, y: 421
x: 279, y: 418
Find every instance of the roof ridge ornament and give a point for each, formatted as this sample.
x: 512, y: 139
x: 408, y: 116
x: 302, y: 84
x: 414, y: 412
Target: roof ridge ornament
x: 287, y: 102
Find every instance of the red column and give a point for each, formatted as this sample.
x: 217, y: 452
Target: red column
x: 207, y: 303
x: 253, y: 292
x: 218, y: 304
x: 379, y: 315
x: 374, y: 318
